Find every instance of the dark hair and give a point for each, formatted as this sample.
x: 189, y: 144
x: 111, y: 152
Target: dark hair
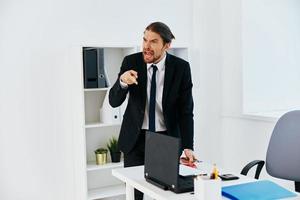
x: 163, y: 30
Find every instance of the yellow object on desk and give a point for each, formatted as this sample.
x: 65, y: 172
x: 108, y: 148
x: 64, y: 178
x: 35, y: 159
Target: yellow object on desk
x: 215, y: 173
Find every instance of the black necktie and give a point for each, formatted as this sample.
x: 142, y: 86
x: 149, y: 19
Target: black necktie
x: 152, y: 100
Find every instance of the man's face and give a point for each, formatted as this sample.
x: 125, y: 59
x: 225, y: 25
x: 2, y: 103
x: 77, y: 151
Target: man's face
x: 153, y: 47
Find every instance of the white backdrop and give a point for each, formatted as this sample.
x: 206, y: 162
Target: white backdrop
x: 39, y: 89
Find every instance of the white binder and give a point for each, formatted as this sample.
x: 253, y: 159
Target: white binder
x: 108, y: 114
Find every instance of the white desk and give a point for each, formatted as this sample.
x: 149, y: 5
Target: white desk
x: 134, y: 178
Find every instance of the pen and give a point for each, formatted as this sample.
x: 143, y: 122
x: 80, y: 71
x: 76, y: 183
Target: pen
x: 186, y: 159
x: 196, y: 160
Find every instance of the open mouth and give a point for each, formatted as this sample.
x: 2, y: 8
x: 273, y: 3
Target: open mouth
x: 148, y: 54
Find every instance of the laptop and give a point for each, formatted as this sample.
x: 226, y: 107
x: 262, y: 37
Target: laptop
x: 162, y: 154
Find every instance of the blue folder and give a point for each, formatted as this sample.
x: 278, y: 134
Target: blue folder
x: 258, y: 190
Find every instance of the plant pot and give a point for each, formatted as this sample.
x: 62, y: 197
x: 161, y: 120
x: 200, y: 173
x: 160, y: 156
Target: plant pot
x: 115, y: 156
x: 101, y: 158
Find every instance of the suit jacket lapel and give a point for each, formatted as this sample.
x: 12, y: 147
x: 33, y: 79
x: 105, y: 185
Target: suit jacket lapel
x: 142, y: 76
x: 169, y: 71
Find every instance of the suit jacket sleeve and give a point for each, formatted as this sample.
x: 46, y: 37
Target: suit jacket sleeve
x: 117, y: 94
x: 186, y: 106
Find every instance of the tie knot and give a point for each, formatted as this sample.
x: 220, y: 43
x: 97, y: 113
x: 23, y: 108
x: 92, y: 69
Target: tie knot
x: 154, y: 67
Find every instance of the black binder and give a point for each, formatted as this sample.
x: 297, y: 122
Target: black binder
x: 100, y: 68
x: 93, y: 68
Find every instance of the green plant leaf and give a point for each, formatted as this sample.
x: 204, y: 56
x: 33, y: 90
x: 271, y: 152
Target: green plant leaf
x: 112, y: 144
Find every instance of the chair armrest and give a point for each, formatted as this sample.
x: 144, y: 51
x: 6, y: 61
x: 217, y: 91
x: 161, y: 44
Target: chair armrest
x: 259, y: 163
x: 297, y: 186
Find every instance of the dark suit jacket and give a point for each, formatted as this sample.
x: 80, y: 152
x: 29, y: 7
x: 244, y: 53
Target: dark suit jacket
x: 177, y: 101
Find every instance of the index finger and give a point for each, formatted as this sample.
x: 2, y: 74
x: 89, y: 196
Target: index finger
x: 133, y: 80
x: 133, y: 73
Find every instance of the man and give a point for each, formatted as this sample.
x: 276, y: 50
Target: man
x: 160, y: 96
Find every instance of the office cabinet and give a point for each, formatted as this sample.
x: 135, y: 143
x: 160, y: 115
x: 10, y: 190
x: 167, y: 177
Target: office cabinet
x: 100, y: 184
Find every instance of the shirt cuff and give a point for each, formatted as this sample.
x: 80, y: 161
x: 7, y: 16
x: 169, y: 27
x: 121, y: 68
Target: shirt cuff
x: 123, y: 85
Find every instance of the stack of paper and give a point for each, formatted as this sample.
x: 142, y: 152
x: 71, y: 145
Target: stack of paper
x: 189, y: 171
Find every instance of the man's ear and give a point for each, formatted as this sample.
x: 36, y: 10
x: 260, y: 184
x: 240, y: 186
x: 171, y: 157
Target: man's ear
x: 167, y: 45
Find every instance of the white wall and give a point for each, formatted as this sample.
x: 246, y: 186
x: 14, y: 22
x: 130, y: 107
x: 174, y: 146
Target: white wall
x: 243, y: 138
x: 207, y: 91
x: 271, y: 45
x: 40, y: 91
x: 239, y: 133
x: 226, y: 136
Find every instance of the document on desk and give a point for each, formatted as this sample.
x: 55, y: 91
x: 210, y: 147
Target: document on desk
x: 189, y: 171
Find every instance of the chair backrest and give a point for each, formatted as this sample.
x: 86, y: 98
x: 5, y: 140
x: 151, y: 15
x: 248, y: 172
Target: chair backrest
x: 283, y: 155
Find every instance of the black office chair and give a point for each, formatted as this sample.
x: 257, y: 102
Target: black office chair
x: 283, y: 154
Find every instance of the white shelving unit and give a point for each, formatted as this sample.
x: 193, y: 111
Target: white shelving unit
x: 95, y: 89
x: 106, y: 192
x: 93, y: 166
x: 98, y: 125
x: 100, y: 183
x: 181, y: 52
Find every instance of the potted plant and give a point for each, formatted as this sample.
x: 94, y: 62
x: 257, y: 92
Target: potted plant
x: 114, y: 150
x: 101, y: 156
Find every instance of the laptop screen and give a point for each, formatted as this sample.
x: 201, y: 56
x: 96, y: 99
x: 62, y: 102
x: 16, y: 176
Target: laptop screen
x: 162, y: 158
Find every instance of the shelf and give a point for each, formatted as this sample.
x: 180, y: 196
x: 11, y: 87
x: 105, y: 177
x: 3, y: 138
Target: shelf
x: 95, y: 89
x: 105, y: 192
x: 98, y: 125
x: 98, y: 130
x: 91, y: 166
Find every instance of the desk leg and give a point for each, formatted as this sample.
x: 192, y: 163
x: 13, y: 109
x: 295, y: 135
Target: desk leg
x: 129, y: 192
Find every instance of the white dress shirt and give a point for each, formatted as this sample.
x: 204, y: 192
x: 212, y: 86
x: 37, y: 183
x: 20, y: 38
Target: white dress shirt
x: 160, y: 77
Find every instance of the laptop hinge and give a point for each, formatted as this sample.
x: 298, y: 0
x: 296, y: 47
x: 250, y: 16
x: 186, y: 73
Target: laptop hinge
x: 157, y: 183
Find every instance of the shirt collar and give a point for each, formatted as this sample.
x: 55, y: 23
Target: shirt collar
x: 160, y: 65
